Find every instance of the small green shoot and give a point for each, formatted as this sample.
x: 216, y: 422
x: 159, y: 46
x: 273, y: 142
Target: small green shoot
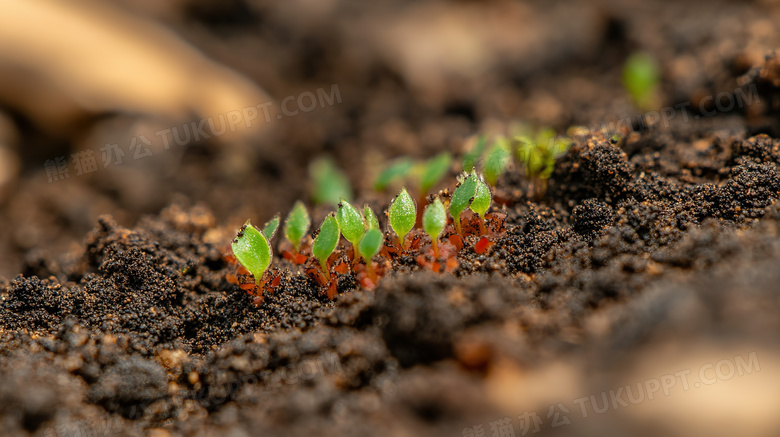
x: 330, y: 185
x: 297, y: 224
x: 397, y: 170
x: 252, y: 250
x: 269, y: 230
x: 434, y: 221
x: 641, y: 78
x: 371, y: 221
x: 433, y: 171
x: 351, y: 224
x: 481, y: 203
x: 537, y: 155
x: 369, y: 246
x: 461, y: 198
x: 326, y: 242
x: 472, y: 156
x: 402, y: 215
x: 497, y: 160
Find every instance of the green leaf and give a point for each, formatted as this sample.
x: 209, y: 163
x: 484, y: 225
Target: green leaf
x: 327, y: 239
x: 252, y: 250
x: 269, y: 230
x: 482, y: 199
x: 297, y: 224
x: 402, y: 214
x: 370, y: 244
x: 496, y: 161
x: 461, y: 198
x: 350, y: 222
x: 470, y: 158
x: 330, y: 185
x: 397, y: 170
x: 434, y: 170
x: 434, y: 219
x: 535, y: 163
x: 641, y: 77
x: 371, y: 221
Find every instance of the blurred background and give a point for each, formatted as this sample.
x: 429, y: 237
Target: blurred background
x: 91, y: 92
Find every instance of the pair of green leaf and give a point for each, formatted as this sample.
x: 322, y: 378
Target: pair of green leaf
x: 252, y: 250
x: 402, y: 214
x: 472, y: 193
x: 428, y: 173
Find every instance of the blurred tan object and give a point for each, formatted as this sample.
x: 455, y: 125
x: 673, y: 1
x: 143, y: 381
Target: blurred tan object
x: 63, y: 61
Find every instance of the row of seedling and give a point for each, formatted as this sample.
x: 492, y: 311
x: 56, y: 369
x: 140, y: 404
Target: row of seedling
x: 253, y: 250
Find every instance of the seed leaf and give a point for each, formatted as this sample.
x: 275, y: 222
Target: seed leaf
x: 371, y: 243
x: 327, y: 239
x: 434, y: 170
x: 496, y: 161
x: 470, y: 158
x: 402, y: 214
x: 434, y: 219
x: 297, y: 224
x: 461, y: 198
x: 330, y: 185
x: 252, y: 250
x: 371, y: 221
x: 482, y: 199
x: 269, y: 230
x: 350, y: 222
x: 398, y: 169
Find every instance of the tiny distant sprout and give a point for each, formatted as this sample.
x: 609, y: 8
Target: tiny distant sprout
x: 641, y: 78
x: 252, y: 250
x: 296, y: 225
x: 351, y: 224
x: 537, y: 154
x: 402, y: 215
x: 371, y: 221
x: 326, y: 242
x: 399, y: 169
x: 497, y: 160
x: 481, y: 203
x: 471, y: 157
x: 329, y: 184
x: 434, y: 220
x: 461, y: 198
x: 369, y: 246
x: 269, y: 230
x: 431, y: 173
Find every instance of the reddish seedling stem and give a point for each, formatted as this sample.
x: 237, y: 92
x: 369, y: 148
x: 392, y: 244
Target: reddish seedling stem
x: 370, y: 271
x: 435, y: 245
x: 325, y: 269
x: 482, y: 229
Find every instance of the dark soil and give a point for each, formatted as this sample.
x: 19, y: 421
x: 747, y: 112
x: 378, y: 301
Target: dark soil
x: 666, y: 240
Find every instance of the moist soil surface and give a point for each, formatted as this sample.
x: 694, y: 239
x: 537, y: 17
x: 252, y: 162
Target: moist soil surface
x: 123, y: 321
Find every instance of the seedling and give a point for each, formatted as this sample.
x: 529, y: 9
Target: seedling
x: 641, y: 77
x: 269, y: 230
x: 397, y: 170
x: 471, y: 157
x: 538, y: 154
x: 330, y: 185
x: 497, y: 160
x: 326, y: 242
x: 481, y: 202
x: 351, y: 224
x: 370, y: 218
x: 402, y: 215
x: 296, y: 225
x: 252, y: 250
x: 461, y: 198
x: 434, y: 221
x: 369, y: 246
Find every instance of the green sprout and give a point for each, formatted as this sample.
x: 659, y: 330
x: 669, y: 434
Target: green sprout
x: 537, y: 154
x: 497, y: 160
x: 641, y: 78
x: 252, y: 250
x: 351, y: 224
x: 434, y: 220
x: 371, y: 221
x: 471, y: 157
x: 481, y: 203
x: 330, y: 185
x: 461, y: 198
x: 369, y: 246
x: 397, y: 170
x: 326, y: 242
x: 297, y: 224
x: 433, y: 170
x: 269, y: 230
x: 402, y: 214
